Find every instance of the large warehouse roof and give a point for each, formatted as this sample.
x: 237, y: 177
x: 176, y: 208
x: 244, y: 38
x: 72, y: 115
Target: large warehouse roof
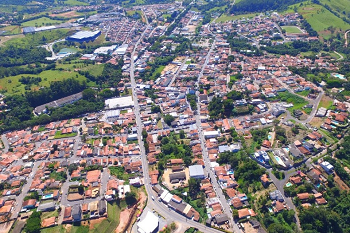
x: 149, y: 224
x: 84, y: 34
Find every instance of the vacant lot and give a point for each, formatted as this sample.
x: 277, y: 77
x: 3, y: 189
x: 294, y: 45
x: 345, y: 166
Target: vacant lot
x: 43, y: 21
x: 69, y: 14
x: 326, y: 102
x: 291, y: 29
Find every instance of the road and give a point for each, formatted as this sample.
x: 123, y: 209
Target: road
x: 346, y: 38
x: 280, y: 185
x: 154, y: 204
x: 226, y: 207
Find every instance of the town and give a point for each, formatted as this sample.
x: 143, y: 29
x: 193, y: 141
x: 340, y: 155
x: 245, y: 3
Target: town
x: 192, y: 125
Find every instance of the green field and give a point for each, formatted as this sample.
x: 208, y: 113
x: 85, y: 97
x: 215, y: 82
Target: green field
x: 43, y: 21
x: 297, y: 101
x: 340, y: 6
x: 11, y: 85
x: 56, y: 229
x: 320, y: 18
x: 113, y: 212
x: 11, y: 30
x: 226, y: 18
x: 75, y: 3
x: 291, y: 29
x: 59, y: 135
x: 39, y: 38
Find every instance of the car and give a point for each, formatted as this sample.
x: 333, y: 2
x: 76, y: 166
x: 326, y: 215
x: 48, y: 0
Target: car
x: 152, y: 198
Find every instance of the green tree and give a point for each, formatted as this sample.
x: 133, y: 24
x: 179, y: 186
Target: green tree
x: 33, y: 223
x: 168, y: 119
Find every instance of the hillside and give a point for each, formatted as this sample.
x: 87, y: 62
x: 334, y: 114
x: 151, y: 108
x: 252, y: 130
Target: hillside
x: 246, y: 6
x: 321, y: 20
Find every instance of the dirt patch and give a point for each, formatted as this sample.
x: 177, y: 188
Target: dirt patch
x: 340, y: 183
x: 249, y: 228
x: 316, y: 122
x: 93, y: 222
x: 68, y: 14
x: 123, y: 220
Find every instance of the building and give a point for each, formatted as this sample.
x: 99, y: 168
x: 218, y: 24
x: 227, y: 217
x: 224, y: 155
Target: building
x: 58, y: 103
x: 327, y: 167
x: 119, y: 102
x: 149, y: 224
x: 76, y: 213
x: 50, y: 206
x: 197, y: 171
x: 177, y: 177
x: 84, y: 36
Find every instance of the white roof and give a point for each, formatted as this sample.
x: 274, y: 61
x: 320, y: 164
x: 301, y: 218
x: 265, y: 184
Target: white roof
x: 196, y: 170
x: 168, y: 197
x: 84, y: 34
x: 148, y: 224
x: 119, y: 102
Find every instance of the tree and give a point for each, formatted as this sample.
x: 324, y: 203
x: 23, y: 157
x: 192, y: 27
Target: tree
x: 194, y: 187
x: 182, y: 134
x: 144, y: 134
x: 155, y: 109
x: 168, y: 119
x: 89, y: 94
x: 34, y: 223
x: 130, y: 198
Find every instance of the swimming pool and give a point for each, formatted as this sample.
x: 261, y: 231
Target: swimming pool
x: 47, y: 196
x: 289, y: 184
x: 340, y: 76
x: 269, y: 137
x: 279, y: 161
x: 286, y: 148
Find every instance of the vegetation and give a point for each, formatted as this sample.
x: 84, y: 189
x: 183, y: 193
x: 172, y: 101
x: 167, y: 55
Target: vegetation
x: 33, y: 223
x: 247, y: 171
x: 260, y: 5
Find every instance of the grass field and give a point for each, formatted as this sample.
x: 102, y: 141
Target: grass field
x: 43, y: 21
x: 340, y: 6
x: 37, y: 38
x: 326, y: 102
x: 95, y: 70
x: 225, y: 18
x: 320, y: 18
x: 113, y: 212
x: 56, y: 229
x: 11, y: 30
x: 291, y: 29
x: 297, y: 101
x: 59, y: 135
x: 75, y: 3
x: 11, y: 85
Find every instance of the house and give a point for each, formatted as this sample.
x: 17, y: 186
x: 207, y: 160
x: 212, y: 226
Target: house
x: 265, y: 180
x: 276, y: 195
x: 29, y: 204
x: 221, y: 219
x: 177, y: 177
x: 327, y: 167
x: 102, y: 207
x: 244, y: 213
x: 45, y: 207
x: 48, y: 222
x: 296, y: 180
x: 303, y: 196
x: 149, y: 224
x: 76, y: 213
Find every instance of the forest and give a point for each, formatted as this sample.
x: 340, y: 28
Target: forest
x: 261, y: 5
